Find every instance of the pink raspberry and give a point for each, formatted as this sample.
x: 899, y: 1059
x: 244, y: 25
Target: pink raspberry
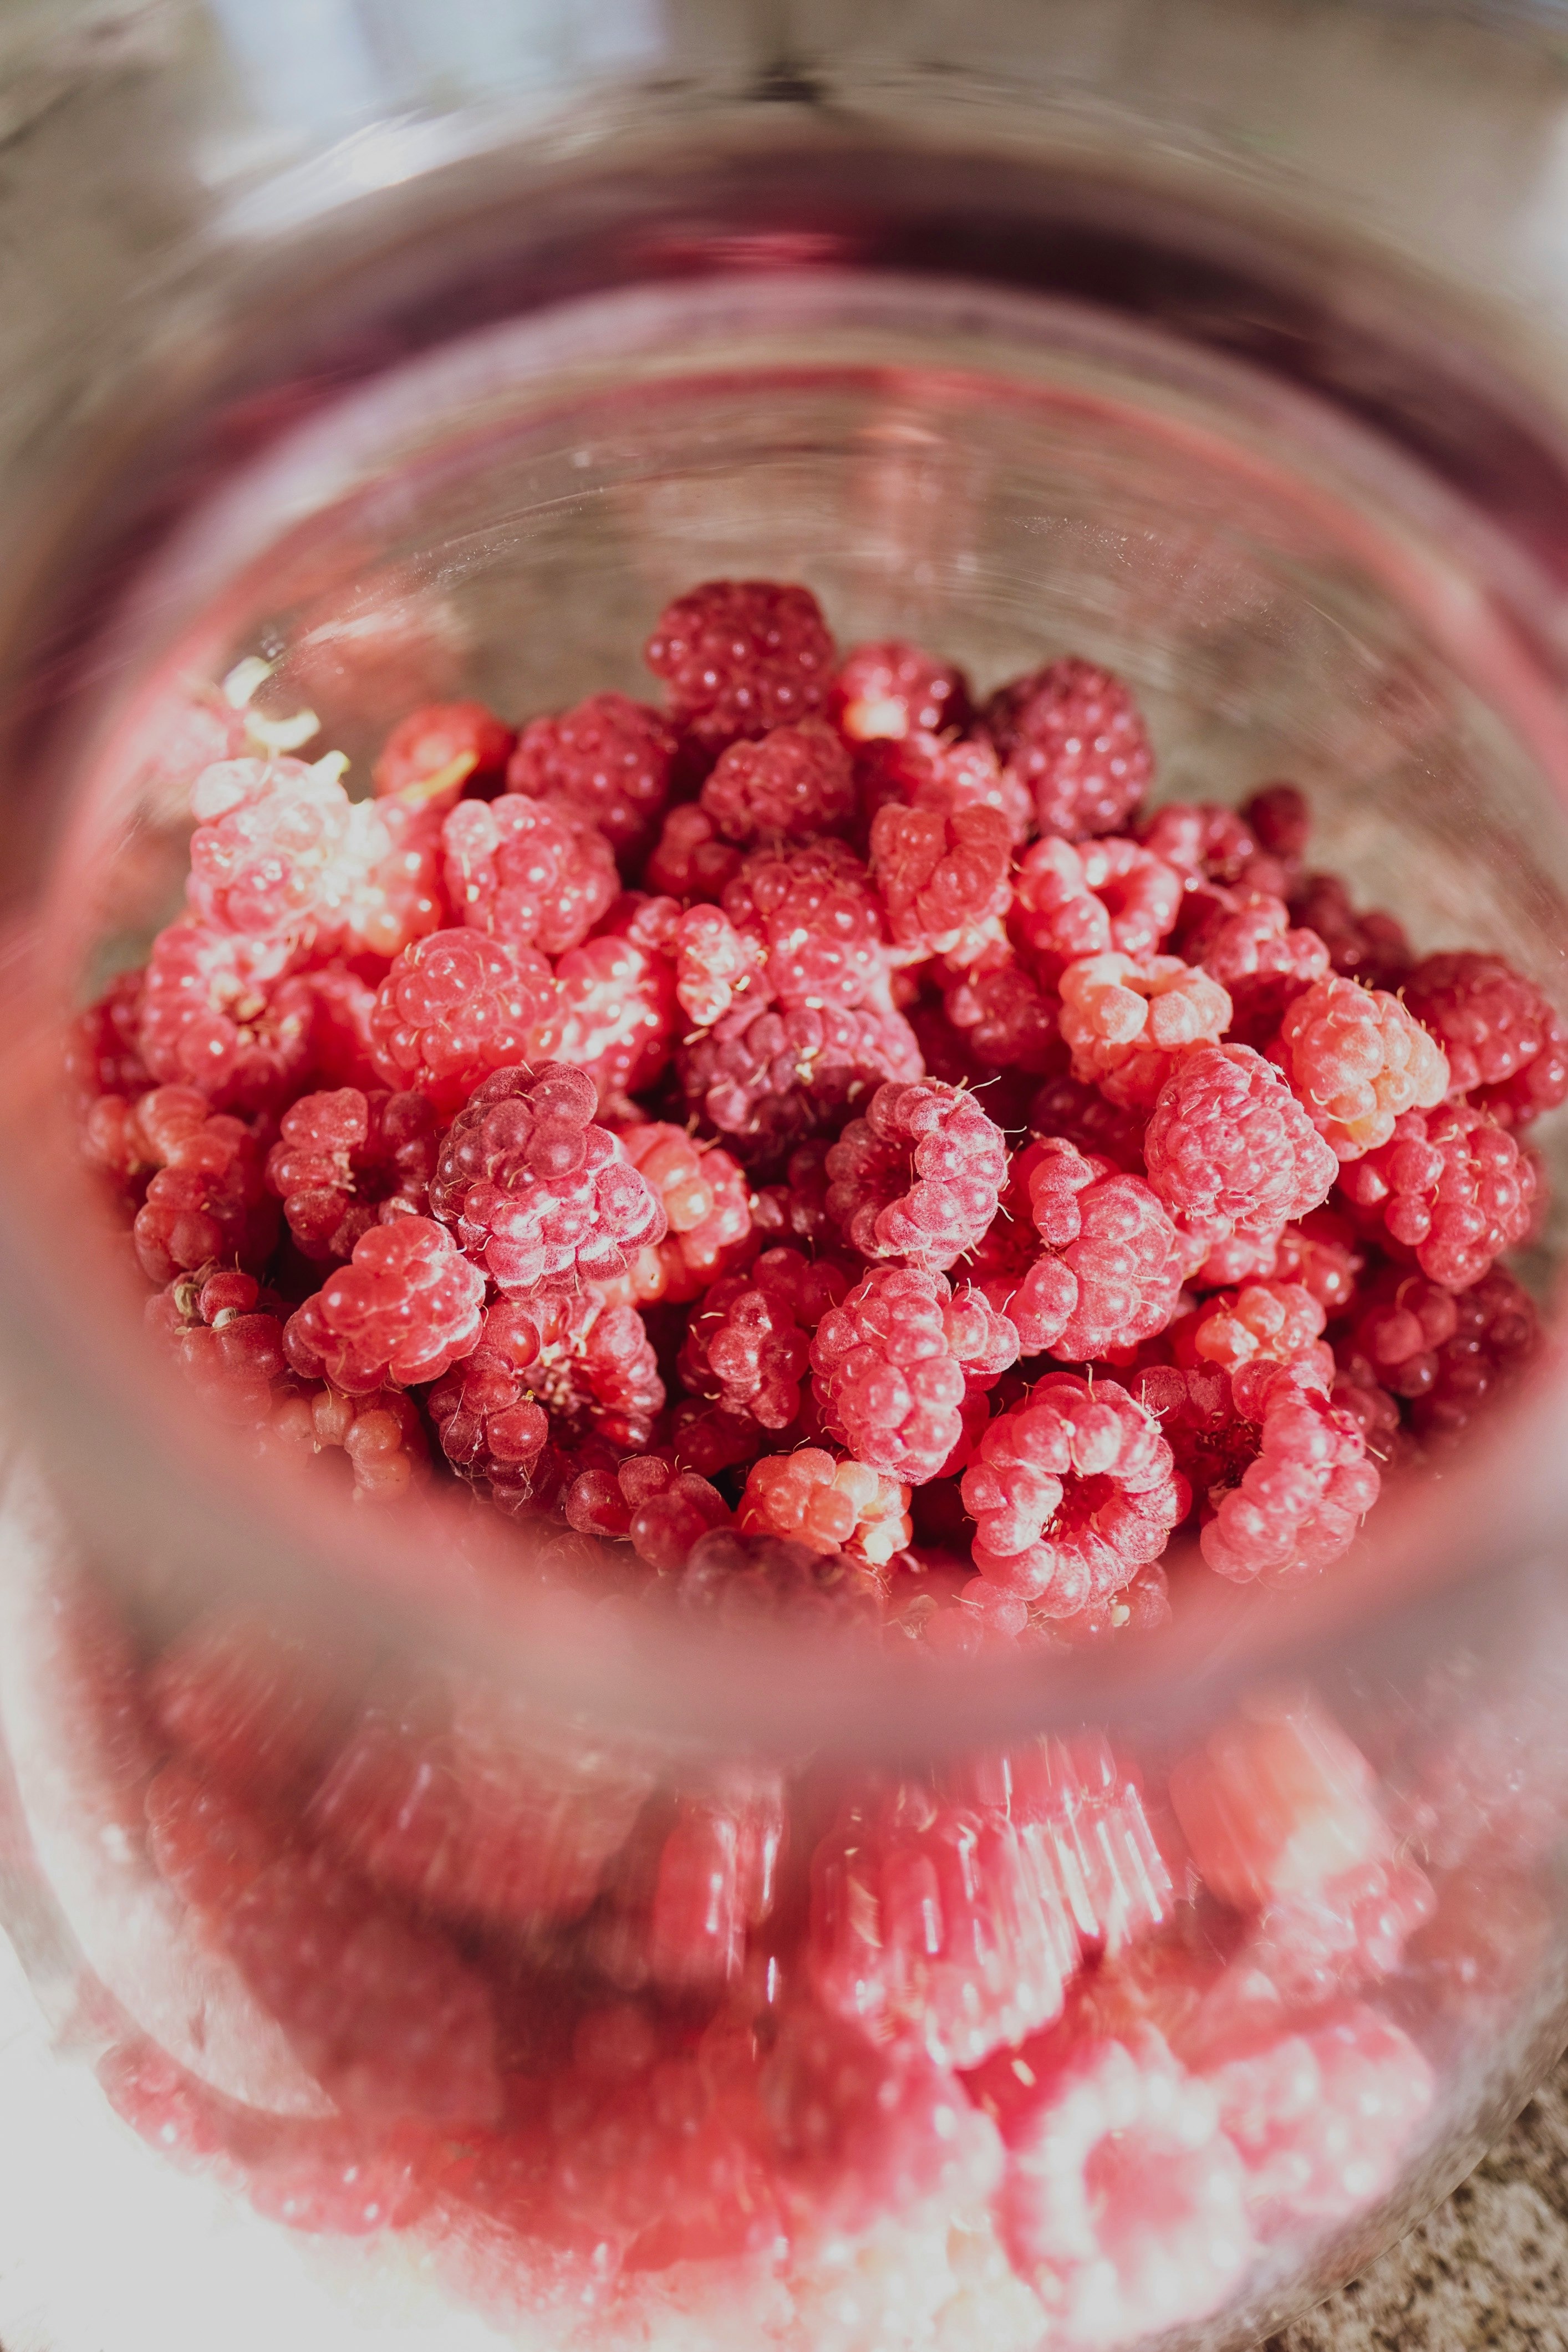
x: 1203, y: 842
x: 1507, y: 1045
x: 489, y: 1424
x: 925, y: 771
x: 230, y: 1017
x: 596, y: 1369
x: 609, y: 757
x: 1357, y: 1060
x: 1230, y: 1149
x: 715, y: 964
x: 1496, y: 1331
x: 102, y: 1056
x: 927, y: 1920
x: 919, y: 1176
x: 889, y: 1367
x: 707, y: 1204
x: 1322, y: 1255
x: 661, y: 1509
x: 767, y: 1079
x: 689, y: 859
x: 1103, y: 894
x: 1128, y: 1025
x: 1081, y: 1819
x: 534, y: 872
x: 1073, y: 734
x: 405, y: 1306
x: 1003, y: 1019
x: 1110, y: 1272
x: 717, y: 1877
x: 392, y: 890
x: 809, y: 1497
x: 1370, y: 947
x: 1280, y: 1321
x: 1276, y: 1802
x: 795, y: 782
x: 197, y: 729
x: 1247, y: 943
x: 345, y: 1162
x: 453, y: 1008
x: 535, y: 1190
x: 205, y: 1198
x: 268, y: 849
x: 740, y: 657
x: 1071, y: 1492
x: 442, y: 750
x: 614, y: 1014
x: 893, y: 690
x: 748, y: 1347
x: 226, y: 1335
x: 381, y: 1433
x: 1311, y: 1947
x: 944, y: 877
x: 1450, y: 1187
x: 813, y: 914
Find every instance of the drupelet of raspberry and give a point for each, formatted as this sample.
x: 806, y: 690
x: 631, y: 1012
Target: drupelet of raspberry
x: 748, y: 1346
x: 346, y: 1160
x: 1072, y: 732
x: 1228, y: 1147
x: 1071, y: 1492
x: 1370, y: 947
x: 889, y: 1367
x: 1110, y: 1272
x: 1358, y: 1059
x: 928, y: 1921
x: 715, y: 964
x: 1129, y: 1023
x: 454, y: 1007
x: 405, y: 1306
x: 205, y: 1199
x: 811, y: 911
x: 535, y: 872
x: 226, y: 1336
x: 268, y: 849
x: 894, y: 690
x: 690, y: 860
x: 227, y: 1016
x: 1005, y: 1020
x: 766, y: 1080
x: 488, y: 1421
x: 381, y: 1435
x: 1496, y: 1331
x: 707, y: 1205
x: 610, y: 757
x: 792, y: 783
x: 662, y: 1510
x: 944, y: 877
x: 442, y: 750
x: 740, y: 657
x: 1070, y: 902
x: 831, y: 1505
x: 919, y: 1176
x: 1279, y: 1801
x: 1450, y: 1187
x: 613, y: 1013
x: 1507, y: 1045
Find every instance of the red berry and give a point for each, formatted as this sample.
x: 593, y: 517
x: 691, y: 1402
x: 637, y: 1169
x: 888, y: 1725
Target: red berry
x: 809, y: 1497
x: 1277, y: 1320
x: 595, y: 1370
x: 1506, y: 1045
x: 707, y: 1207
x: 892, y: 689
x: 488, y: 1421
x: 919, y: 1176
x: 944, y: 877
x: 440, y: 751
x: 1496, y: 1331
x: 271, y: 848
x: 381, y: 1433
x: 534, y: 872
x: 1085, y: 901
x: 205, y: 1197
x: 232, y: 1352
x: 453, y: 1008
x: 1366, y: 947
x: 793, y: 781
x: 1081, y: 1115
x: 102, y: 1056
x: 405, y: 1306
x: 1110, y: 1272
x: 661, y: 1509
x: 1276, y: 1802
x: 1128, y: 1023
x: 1230, y: 1149
x: 925, y: 771
x: 1280, y: 818
x: 690, y: 860
x: 1358, y: 1059
x: 748, y: 1346
x: 1206, y: 843
x: 1073, y: 734
x: 813, y: 917
x: 1001, y: 1019
x: 227, y: 1016
x: 740, y: 657
x: 1081, y: 1817
x: 766, y: 1079
x: 614, y: 1014
x: 609, y: 757
x: 347, y: 1160
x: 889, y: 1367
x: 715, y: 965
x: 1247, y: 943
x: 1450, y: 1187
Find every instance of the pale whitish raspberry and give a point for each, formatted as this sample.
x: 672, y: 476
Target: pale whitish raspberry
x: 1506, y: 1045
x: 440, y: 751
x: 924, y: 772
x: 919, y: 1176
x: 748, y: 1346
x: 795, y: 782
x: 536, y: 873
x: 690, y: 860
x: 381, y: 1435
x: 1370, y: 947
x: 1450, y: 1186
x: 614, y: 1011
x: 714, y: 964
x: 405, y: 1306
x: 227, y: 1016
x: 454, y: 1007
x: 1358, y: 1059
x: 767, y: 1079
x: 740, y: 657
x: 1496, y: 1331
x: 1278, y: 1802
x: 829, y: 1505
x: 1073, y: 734
x: 227, y: 1335
x: 535, y: 1190
x: 944, y: 877
x: 1003, y: 1017
x: 1129, y: 1022
x: 1246, y: 942
x: 811, y: 911
x: 268, y: 851
x: 1110, y: 1272
x: 610, y: 757
x: 1309, y: 1949
x: 1081, y: 1819
x: 660, y: 1510
x: 1070, y: 902
x: 894, y: 690
x: 196, y: 1173
x: 889, y: 1367
x: 927, y: 1920
x: 1230, y: 1149
x: 488, y: 1421
x: 707, y: 1204
x: 346, y: 1160
x: 1071, y: 1492
x: 1279, y: 1320
x: 197, y: 729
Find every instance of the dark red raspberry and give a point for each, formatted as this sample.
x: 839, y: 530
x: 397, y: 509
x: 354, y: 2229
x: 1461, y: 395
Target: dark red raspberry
x: 810, y: 1498
x: 944, y: 877
x: 690, y: 860
x: 609, y: 757
x: 1282, y: 822
x: 1073, y: 734
x: 767, y: 1079
x: 1496, y: 1331
x: 455, y: 1007
x: 346, y: 1161
x: 1110, y: 1271
x: 1077, y: 902
x: 614, y: 1014
x: 534, y: 1191
x: 1367, y: 947
x: 889, y: 1367
x: 227, y: 1335
x: 748, y: 1347
x: 1081, y: 1114
x: 893, y: 690
x: 1130, y: 1023
x: 1358, y: 1059
x: 740, y: 657
x: 535, y: 872
x: 793, y: 781
x: 661, y: 1509
x: 1003, y: 1018
x: 750, y: 1579
x: 489, y: 1423
x: 919, y: 1176
x: 442, y: 750
x: 205, y: 1199
x: 230, y: 1017
x: 1507, y: 1045
x: 1450, y: 1186
x: 707, y: 1205
x: 272, y: 848
x: 814, y: 916
x: 102, y: 1056
x: 1401, y: 1321
x: 1072, y: 1491
x: 405, y: 1306
x: 797, y: 1210
x: 926, y: 772
x: 1230, y: 1149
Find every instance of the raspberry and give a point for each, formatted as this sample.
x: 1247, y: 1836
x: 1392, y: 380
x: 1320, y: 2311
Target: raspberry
x: 1277, y: 1320
x: 1263, y: 964
x: 595, y: 1369
x: 813, y: 913
x: 440, y: 750
x: 944, y: 876
x: 663, y: 1511
x: 715, y: 964
x: 1403, y: 1321
x: 227, y: 1016
x: 717, y: 1875
x: 405, y: 1306
x: 1081, y: 1115
x: 1506, y: 1046
x: 766, y: 1079
x: 1080, y: 1817
x: 709, y: 1438
x: 1071, y: 1493
x: 535, y: 1190
x: 1204, y: 842
x: 488, y: 1423
x: 1086, y: 901
x: 197, y: 729
x: 796, y: 1211
x: 346, y: 1161
x: 1111, y: 1272
x: 1496, y: 1331
x: 267, y: 855
x: 926, y: 1919
x: 920, y: 772
x: 454, y: 1007
x: 1229, y: 1148
x: 614, y: 1014
x: 1371, y: 948
x: 749, y: 1580
x: 689, y: 858
x: 827, y: 1504
x: 232, y: 1352
x: 253, y: 1706
x: 206, y: 1198
x: 1128, y: 1023
x: 381, y: 1435
x: 1357, y: 1060
x: 1450, y: 1187
x: 748, y: 1346
x: 609, y: 757
x: 1279, y: 817
x: 707, y: 1206
x: 793, y: 781
x: 1073, y: 734
x: 1003, y: 1019
x: 1278, y: 1802
x: 103, y: 1055
x: 1311, y: 1947
x: 919, y: 1176
x: 893, y: 690
x: 531, y: 872
x: 889, y: 1367
x: 741, y: 657
x: 1320, y: 1254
